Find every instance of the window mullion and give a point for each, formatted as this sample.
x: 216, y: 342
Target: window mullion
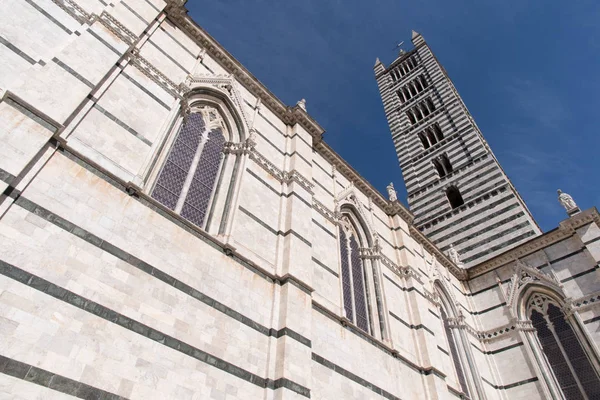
x: 191, y: 172
x: 350, y: 270
x: 565, y: 355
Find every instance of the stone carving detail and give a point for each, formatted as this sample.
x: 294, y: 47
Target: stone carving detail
x: 324, y: 211
x: 523, y: 275
x: 586, y: 302
x: 567, y: 202
x: 73, y: 9
x: 454, y: 256
x: 113, y: 25
x: 392, y: 194
x: 281, y: 176
x: 155, y: 75
x: 302, y: 104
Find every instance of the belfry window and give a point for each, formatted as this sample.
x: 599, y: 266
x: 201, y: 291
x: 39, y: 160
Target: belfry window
x: 442, y: 165
x: 187, y: 179
x: 353, y: 276
x: 564, y: 352
x: 431, y: 135
x: 454, y: 197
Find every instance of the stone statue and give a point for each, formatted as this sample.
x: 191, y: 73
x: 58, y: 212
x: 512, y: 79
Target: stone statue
x: 567, y: 202
x: 454, y: 256
x: 302, y: 104
x: 392, y: 192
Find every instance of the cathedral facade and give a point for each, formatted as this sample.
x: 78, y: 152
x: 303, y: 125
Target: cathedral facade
x: 170, y: 229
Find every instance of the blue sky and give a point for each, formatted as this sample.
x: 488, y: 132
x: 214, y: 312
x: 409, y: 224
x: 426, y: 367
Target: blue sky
x: 527, y: 70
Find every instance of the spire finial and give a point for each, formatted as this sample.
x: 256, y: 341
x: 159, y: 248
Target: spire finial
x: 415, y: 34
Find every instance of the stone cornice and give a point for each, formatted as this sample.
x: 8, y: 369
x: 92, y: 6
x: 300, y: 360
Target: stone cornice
x: 390, y: 208
x: 416, y: 234
x: 565, y: 229
x: 177, y: 13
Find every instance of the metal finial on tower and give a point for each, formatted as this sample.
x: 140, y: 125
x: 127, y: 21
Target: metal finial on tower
x: 399, y: 48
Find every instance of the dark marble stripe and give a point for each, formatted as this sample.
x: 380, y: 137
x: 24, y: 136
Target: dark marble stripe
x: 153, y: 6
x: 355, y: 378
x: 369, y: 339
x: 149, y: 269
x: 511, y: 385
x: 580, y: 274
x: 73, y: 72
x: 178, y: 42
x: 50, y: 17
x: 273, y: 231
x: 122, y: 124
x: 324, y: 229
x: 104, y: 42
x: 589, y: 321
x: 323, y: 187
x: 6, y: 176
x: 591, y: 241
x: 16, y: 50
x: 135, y: 13
x: 411, y: 326
x: 325, y: 267
x: 42, y: 377
x: 31, y: 115
x: 443, y: 351
x: 143, y: 89
x: 132, y: 325
x: 169, y: 57
x: 411, y: 289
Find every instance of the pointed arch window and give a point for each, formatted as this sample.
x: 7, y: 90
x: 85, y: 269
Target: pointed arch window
x: 442, y: 165
x: 186, y: 182
x: 565, y: 354
x: 454, y: 354
x: 353, y: 276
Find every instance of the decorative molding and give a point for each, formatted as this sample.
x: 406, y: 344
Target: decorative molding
x: 565, y: 230
x: 282, y: 176
x: 290, y: 115
x: 226, y: 84
x: 416, y: 234
x: 267, y: 165
x: 295, y: 176
x: 585, y: 302
x: 177, y: 91
x: 113, y: 25
x: 524, y: 275
x: 76, y: 12
x: 324, y: 211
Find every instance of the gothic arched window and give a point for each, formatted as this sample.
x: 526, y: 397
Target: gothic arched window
x: 454, y: 354
x: 186, y: 182
x: 573, y: 370
x: 458, y: 354
x: 353, y: 276
x: 442, y: 165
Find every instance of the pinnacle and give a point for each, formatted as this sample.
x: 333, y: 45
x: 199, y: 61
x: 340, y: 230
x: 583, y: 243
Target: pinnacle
x: 415, y: 34
x: 377, y: 61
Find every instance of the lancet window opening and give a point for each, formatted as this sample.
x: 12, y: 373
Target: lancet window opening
x: 420, y: 111
x: 562, y: 348
x: 188, y: 177
x: 442, y: 165
x: 403, y: 69
x: 431, y: 136
x: 353, y: 275
x: 452, y: 338
x: 412, y: 88
x: 454, y: 197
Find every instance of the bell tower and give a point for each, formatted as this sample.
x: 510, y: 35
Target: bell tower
x: 456, y: 187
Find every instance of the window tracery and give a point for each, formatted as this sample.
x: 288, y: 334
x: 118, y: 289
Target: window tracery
x: 187, y: 179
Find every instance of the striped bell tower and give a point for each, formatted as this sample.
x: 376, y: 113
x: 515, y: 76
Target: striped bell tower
x: 456, y: 187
